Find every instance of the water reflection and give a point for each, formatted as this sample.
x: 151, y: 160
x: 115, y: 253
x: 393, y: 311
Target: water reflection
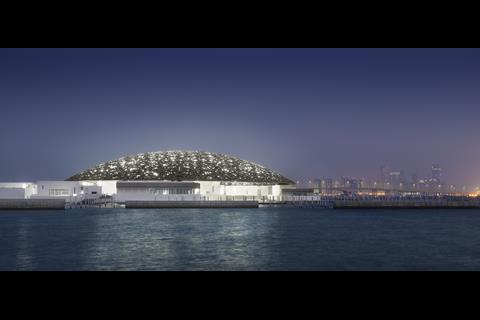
x: 239, y: 239
x: 183, y: 239
x: 24, y: 257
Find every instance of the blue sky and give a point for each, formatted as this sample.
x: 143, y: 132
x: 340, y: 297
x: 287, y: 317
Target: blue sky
x: 304, y: 112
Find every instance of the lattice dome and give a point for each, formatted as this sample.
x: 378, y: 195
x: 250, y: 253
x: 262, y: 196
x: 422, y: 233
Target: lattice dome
x: 182, y: 166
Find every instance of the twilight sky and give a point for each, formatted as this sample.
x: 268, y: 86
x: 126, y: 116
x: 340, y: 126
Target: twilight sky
x: 305, y: 113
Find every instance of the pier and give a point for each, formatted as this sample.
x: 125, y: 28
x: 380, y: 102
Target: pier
x: 190, y: 204
x: 406, y: 204
x: 374, y: 202
x: 32, y: 204
x: 315, y: 201
x: 93, y: 203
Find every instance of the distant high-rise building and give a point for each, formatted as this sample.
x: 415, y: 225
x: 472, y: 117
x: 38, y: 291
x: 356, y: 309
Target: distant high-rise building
x: 436, y: 173
x: 414, y: 182
x: 402, y: 177
x: 384, y: 175
x: 395, y: 179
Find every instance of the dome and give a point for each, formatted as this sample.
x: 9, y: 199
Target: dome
x: 182, y: 166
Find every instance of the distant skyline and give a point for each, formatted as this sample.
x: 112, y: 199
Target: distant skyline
x: 305, y: 113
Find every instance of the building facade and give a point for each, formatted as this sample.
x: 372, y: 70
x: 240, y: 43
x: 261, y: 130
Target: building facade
x: 167, y: 175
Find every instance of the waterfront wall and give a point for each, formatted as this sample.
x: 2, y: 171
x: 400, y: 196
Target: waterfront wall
x: 32, y: 204
x: 406, y: 204
x: 17, y: 190
x: 190, y: 204
x: 12, y: 193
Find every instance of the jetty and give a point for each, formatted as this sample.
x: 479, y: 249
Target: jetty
x: 32, y: 204
x: 190, y: 204
x: 316, y: 201
x: 374, y: 202
x: 407, y: 204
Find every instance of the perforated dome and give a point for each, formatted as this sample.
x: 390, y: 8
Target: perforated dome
x: 182, y: 166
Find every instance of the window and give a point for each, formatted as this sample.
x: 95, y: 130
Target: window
x: 58, y: 192
x: 167, y: 191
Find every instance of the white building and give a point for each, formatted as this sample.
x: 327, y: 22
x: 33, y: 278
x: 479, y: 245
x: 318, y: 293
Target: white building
x: 17, y: 190
x: 69, y: 190
x: 168, y: 175
x: 172, y: 175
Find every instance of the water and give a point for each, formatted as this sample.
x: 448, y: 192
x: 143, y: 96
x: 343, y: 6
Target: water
x: 240, y: 239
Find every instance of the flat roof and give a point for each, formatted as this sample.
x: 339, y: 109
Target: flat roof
x: 157, y: 184
x: 291, y: 190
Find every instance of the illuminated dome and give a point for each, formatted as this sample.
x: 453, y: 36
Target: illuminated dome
x: 182, y: 166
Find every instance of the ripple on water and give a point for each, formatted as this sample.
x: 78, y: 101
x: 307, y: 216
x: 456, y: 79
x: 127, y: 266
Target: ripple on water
x: 240, y: 239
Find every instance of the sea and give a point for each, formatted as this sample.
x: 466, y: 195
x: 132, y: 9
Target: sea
x: 270, y: 238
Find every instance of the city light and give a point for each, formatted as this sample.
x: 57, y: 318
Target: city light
x: 394, y: 183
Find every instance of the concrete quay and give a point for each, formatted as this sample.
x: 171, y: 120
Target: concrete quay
x: 32, y: 204
x: 190, y: 204
x: 406, y: 204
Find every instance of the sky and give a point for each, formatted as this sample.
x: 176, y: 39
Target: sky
x: 305, y: 113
